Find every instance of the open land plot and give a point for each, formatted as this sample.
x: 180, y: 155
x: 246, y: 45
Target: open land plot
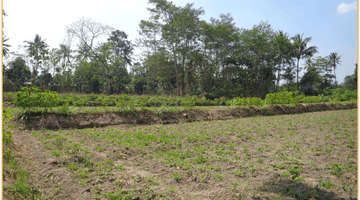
x: 300, y: 156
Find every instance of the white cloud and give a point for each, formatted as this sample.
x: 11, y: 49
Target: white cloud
x: 344, y: 8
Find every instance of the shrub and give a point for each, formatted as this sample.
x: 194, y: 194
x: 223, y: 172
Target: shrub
x: 313, y: 99
x: 283, y: 97
x: 33, y: 97
x: 341, y: 94
x: 237, y: 101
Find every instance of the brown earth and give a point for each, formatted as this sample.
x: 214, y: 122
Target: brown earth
x: 91, y: 120
x: 229, y: 145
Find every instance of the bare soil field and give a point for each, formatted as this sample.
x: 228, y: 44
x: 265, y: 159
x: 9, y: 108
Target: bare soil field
x: 297, y: 156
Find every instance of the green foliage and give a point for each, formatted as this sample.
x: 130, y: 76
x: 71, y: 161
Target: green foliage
x: 7, y: 135
x: 283, y: 97
x: 295, y: 172
x: 313, y: 99
x: 126, y: 104
x: 239, y: 173
x: 246, y: 102
x: 336, y: 169
x: 178, y: 177
x: 341, y: 94
x: 21, y: 184
x: 33, y: 97
x: 326, y: 184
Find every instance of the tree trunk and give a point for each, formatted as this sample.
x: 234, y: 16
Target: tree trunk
x: 177, y: 74
x: 297, y: 75
x: 107, y: 81
x: 335, y: 74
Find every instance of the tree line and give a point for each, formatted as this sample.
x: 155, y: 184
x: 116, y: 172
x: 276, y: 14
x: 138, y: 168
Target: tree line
x: 180, y: 54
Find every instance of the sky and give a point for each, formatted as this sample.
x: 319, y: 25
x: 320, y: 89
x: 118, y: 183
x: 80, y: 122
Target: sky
x: 331, y: 24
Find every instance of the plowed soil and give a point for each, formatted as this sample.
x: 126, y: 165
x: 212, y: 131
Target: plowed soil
x: 187, y: 156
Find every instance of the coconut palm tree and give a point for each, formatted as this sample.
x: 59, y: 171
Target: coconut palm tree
x: 64, y: 55
x: 5, y: 39
x: 38, y: 50
x: 334, y: 59
x: 5, y: 47
x: 302, y: 51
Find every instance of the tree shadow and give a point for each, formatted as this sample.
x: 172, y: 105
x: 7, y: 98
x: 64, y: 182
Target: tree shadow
x: 298, y: 190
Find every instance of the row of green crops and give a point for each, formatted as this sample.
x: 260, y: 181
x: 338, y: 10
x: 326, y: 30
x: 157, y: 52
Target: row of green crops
x: 33, y: 97
x: 21, y: 185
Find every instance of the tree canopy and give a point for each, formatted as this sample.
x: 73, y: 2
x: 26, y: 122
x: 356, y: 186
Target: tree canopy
x: 177, y: 54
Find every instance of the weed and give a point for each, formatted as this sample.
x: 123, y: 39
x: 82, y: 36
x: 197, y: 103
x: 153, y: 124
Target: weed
x: 55, y: 153
x: 219, y: 176
x: 295, y: 172
x: 203, y: 178
x: 285, y: 173
x: 177, y: 177
x: 327, y: 184
x: 121, y: 167
x: 152, y: 180
x: 83, y: 174
x: 73, y: 167
x: 336, y: 169
x: 239, y: 173
x: 172, y: 189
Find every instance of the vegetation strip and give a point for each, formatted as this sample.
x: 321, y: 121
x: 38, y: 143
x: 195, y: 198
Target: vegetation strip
x: 90, y: 120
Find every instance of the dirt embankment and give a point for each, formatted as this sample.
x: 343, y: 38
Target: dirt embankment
x: 90, y: 120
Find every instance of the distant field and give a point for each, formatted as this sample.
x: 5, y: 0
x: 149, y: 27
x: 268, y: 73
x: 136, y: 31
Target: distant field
x: 301, y: 156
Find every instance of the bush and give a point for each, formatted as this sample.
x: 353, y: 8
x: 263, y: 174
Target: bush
x: 237, y: 101
x: 283, y: 97
x: 312, y: 99
x: 33, y: 97
x: 341, y: 94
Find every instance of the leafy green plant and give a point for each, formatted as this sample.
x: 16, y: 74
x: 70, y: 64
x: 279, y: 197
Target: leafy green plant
x: 219, y: 176
x: 172, y: 189
x: 33, y: 97
x: 295, y: 172
x: 239, y: 173
x: 120, y: 167
x: 7, y: 135
x: 285, y: 173
x: 283, y: 97
x: 327, y: 184
x: 336, y: 169
x: 73, y: 166
x: 178, y: 177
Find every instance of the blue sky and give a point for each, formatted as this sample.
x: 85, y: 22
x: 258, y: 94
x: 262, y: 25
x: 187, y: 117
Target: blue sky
x: 331, y: 31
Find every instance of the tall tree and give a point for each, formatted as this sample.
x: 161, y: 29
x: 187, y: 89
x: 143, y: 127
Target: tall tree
x: 64, y: 56
x: 284, y: 53
x: 88, y: 31
x: 5, y: 39
x: 166, y: 11
x: 38, y: 51
x: 334, y: 59
x: 121, y: 45
x: 178, y: 31
x: 18, y: 73
x: 257, y: 49
x: 302, y: 51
